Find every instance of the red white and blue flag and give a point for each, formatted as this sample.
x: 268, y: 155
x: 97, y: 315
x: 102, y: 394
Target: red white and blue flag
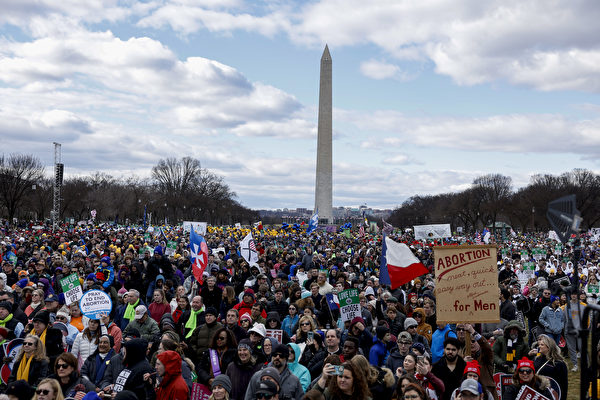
x: 199, y: 254
x: 248, y: 249
x: 400, y: 263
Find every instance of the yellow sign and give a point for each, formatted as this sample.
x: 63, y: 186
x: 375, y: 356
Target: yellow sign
x: 466, y: 287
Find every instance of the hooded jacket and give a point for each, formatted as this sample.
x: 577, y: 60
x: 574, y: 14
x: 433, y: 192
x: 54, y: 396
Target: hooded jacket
x: 172, y: 386
x: 136, y: 365
x: 500, y: 347
x: 290, y: 387
x: 297, y: 369
x: 423, y: 329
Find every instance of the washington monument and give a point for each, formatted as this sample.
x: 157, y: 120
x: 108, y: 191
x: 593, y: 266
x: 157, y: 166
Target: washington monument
x: 323, y: 187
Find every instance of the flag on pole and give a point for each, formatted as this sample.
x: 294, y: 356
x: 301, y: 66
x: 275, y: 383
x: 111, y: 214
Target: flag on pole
x: 258, y: 225
x: 361, y: 231
x: 384, y: 276
x: 332, y: 300
x: 145, y: 216
x: 478, y: 238
x: 313, y: 223
x: 199, y: 254
x: 248, y: 249
x: 387, y: 227
x: 402, y: 265
x: 486, y: 235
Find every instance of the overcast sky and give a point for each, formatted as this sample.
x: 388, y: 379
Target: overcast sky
x: 427, y: 95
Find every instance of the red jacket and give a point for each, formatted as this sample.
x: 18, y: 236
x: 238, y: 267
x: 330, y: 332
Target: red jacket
x: 246, y: 308
x: 172, y: 386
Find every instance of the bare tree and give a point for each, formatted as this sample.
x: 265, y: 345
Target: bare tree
x: 496, y: 190
x: 18, y: 173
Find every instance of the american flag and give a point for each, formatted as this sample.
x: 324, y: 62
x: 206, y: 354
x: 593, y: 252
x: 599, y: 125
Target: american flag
x: 478, y: 238
x: 251, y: 245
x: 361, y: 231
x: 387, y: 227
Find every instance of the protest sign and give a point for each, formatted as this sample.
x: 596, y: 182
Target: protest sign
x: 529, y: 268
x: 171, y: 247
x: 71, y: 288
x: 93, y: 303
x: 435, y: 231
x: 10, y: 350
x: 528, y: 393
x: 466, y: 284
x: 349, y: 304
x: 199, y: 227
x: 524, y: 255
x: 593, y: 288
x: 502, y: 381
x: 200, y: 391
x: 275, y: 334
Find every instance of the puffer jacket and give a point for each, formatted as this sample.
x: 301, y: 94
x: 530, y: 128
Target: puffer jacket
x: 83, y: 347
x: 172, y: 386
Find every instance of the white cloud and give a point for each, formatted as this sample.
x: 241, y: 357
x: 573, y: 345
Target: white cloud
x: 379, y: 70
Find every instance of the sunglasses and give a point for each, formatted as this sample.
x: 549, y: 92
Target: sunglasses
x: 278, y: 355
x: 460, y: 329
x: 62, y: 366
x: 526, y: 371
x: 412, y: 327
x: 28, y: 344
x: 305, y: 324
x: 264, y: 396
x: 45, y: 392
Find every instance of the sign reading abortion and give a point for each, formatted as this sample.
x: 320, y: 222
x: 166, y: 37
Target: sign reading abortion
x: 94, y: 303
x: 466, y: 284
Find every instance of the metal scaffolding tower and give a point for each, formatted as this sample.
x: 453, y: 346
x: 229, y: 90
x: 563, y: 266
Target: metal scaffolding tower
x: 58, y: 180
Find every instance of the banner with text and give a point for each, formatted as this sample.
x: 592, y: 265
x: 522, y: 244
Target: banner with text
x: 199, y: 227
x: 466, y: 284
x: 94, y: 303
x: 349, y: 304
x: 71, y: 288
x: 435, y: 231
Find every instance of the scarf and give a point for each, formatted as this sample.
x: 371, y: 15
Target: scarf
x: 23, y: 371
x: 130, y: 310
x: 191, y: 322
x: 43, y: 336
x: 176, y: 315
x: 4, y: 321
x: 101, y: 363
x: 511, y: 351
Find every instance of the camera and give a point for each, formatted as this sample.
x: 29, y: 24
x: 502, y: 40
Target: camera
x: 338, y: 370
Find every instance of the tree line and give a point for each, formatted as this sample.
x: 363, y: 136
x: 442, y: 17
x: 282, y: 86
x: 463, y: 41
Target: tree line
x: 177, y: 190
x: 491, y: 199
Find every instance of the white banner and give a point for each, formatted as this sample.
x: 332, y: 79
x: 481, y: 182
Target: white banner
x: 436, y: 231
x: 248, y: 249
x: 199, y: 227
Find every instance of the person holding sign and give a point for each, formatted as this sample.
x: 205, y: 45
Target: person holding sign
x: 525, y: 376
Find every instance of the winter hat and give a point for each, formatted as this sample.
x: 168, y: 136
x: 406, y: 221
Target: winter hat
x: 405, y: 336
x: 553, y: 298
x: 259, y: 329
x: 525, y: 363
x: 420, y: 347
x: 105, y: 259
x: 42, y: 317
x: 246, y: 343
x: 222, y: 380
x: 122, y: 291
x: 271, y: 372
x: 20, y: 389
x: 249, y: 292
x: 63, y: 312
x: 246, y: 316
x: 281, y: 349
x: 382, y: 330
x: 91, y: 277
x: 410, y: 322
x: 412, y: 295
x: 355, y: 321
x: 472, y: 366
x: 100, y: 276
x: 212, y: 311
x: 166, y: 321
x: 158, y: 250
x: 6, y: 305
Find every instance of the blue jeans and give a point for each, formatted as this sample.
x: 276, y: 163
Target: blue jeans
x: 555, y: 336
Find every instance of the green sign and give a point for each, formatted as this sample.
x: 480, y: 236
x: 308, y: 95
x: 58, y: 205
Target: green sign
x: 529, y: 266
x: 524, y: 255
x: 593, y: 289
x: 147, y: 237
x: 171, y: 247
x: 71, y: 288
x: 349, y: 304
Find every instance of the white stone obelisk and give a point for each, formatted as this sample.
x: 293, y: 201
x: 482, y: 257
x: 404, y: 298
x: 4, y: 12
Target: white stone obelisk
x: 323, y: 187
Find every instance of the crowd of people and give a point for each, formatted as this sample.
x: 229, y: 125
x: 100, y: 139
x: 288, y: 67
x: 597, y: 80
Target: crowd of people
x: 269, y: 330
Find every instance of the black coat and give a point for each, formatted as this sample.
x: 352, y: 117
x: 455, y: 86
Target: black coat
x: 204, y: 367
x: 38, y: 370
